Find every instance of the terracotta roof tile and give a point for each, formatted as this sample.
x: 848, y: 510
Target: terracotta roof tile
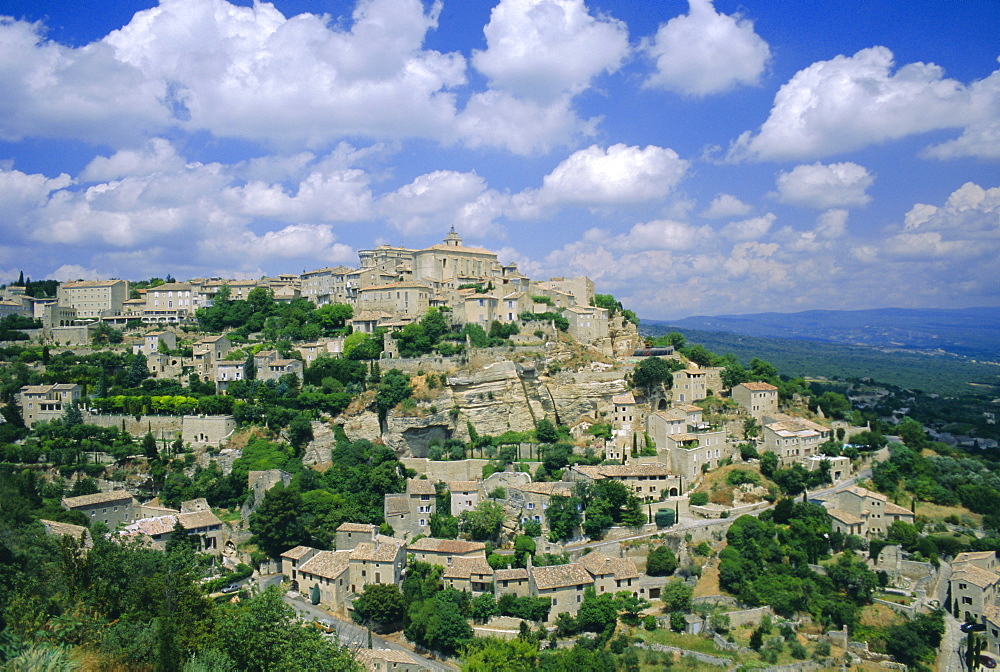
x: 561, y: 576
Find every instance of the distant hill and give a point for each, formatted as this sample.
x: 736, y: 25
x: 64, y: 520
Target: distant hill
x: 942, y: 373
x: 967, y: 332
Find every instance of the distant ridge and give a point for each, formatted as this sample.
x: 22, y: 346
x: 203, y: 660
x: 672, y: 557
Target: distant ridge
x: 965, y: 332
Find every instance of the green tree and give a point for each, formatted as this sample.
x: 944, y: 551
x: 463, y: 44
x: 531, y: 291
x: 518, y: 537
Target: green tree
x: 676, y: 596
x: 483, y: 607
x: 484, y: 522
x: 138, y: 371
x: 652, y: 372
x: 546, y: 432
x: 597, y: 613
x: 768, y: 463
x: 380, y: 605
x: 277, y: 523
x: 661, y: 561
x: 563, y: 517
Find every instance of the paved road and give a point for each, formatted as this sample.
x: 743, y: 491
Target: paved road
x: 355, y: 637
x: 951, y: 660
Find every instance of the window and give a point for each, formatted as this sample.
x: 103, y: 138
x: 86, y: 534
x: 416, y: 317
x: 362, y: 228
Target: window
x: 966, y: 600
x: 423, y: 522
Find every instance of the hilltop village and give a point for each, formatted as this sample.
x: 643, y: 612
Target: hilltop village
x: 472, y: 464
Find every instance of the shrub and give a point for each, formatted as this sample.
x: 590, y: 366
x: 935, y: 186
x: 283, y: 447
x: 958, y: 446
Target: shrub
x: 698, y: 498
x: 649, y: 623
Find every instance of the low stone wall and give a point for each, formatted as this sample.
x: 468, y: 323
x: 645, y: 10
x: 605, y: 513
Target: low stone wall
x: 162, y: 426
x: 908, y: 610
x: 733, y: 512
x: 439, y: 470
x: 749, y: 616
x: 700, y: 657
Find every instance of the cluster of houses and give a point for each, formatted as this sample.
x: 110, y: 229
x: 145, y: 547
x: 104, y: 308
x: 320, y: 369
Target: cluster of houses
x: 363, y: 557
x: 392, y: 287
x: 125, y: 516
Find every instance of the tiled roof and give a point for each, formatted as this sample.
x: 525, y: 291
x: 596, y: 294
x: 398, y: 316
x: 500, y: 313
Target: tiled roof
x: 396, y: 504
x: 327, y: 564
x: 862, y: 492
x: 383, y: 549
x: 356, y: 527
x: 67, y: 530
x: 977, y: 576
x: 759, y: 387
x: 969, y: 556
x: 561, y: 576
x: 297, y: 553
x: 464, y: 568
x: 420, y: 486
x: 96, y: 498
x: 897, y: 510
x: 547, y: 488
x: 845, y: 517
x: 448, y: 546
x: 385, y: 655
x: 463, y: 486
x: 152, y: 526
x: 510, y: 575
x: 197, y: 519
x: 623, y: 399
x: 599, y: 564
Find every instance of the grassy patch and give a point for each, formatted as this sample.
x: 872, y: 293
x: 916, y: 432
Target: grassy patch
x: 708, y: 584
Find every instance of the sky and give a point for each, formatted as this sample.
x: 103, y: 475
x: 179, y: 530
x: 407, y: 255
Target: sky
x: 691, y: 157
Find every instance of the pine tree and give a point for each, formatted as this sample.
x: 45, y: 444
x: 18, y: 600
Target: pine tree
x: 250, y: 368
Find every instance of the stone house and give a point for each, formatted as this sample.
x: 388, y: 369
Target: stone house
x: 171, y: 302
x: 149, y: 344
x: 511, y: 581
x: 389, y: 660
x: 464, y: 496
x: 646, y: 479
x: 481, y: 309
x: 113, y: 508
x: 41, y: 403
x: 563, y: 584
x: 587, y: 323
x: 328, y: 572
x: 756, y: 398
x: 159, y: 529
x: 206, y: 352
x: 349, y: 535
x: 410, y: 513
x: 973, y: 588
x: 793, y: 439
x: 93, y: 298
x: 697, y: 450
x: 469, y: 574
x: 226, y: 373
x: 512, y: 305
x: 532, y: 499
x: 409, y: 298
x: 864, y: 513
x: 378, y: 561
x: 690, y: 384
x: 294, y: 558
x: 610, y: 575
x: 444, y: 551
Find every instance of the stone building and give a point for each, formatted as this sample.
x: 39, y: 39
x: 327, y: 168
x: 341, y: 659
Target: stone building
x: 113, y: 508
x: 758, y: 399
x: 47, y: 402
x: 93, y: 298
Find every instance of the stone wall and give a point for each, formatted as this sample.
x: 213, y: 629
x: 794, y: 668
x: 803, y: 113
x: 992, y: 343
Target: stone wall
x: 162, y: 426
x: 207, y: 429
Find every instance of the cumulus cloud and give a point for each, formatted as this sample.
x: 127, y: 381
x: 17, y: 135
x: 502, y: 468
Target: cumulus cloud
x: 70, y: 272
x: 705, y: 52
x: 979, y: 140
x: 837, y: 185
x: 617, y: 175
x: 850, y: 102
x: 749, y: 229
x: 725, y: 205
x: 543, y: 49
x: 157, y: 156
x: 521, y: 126
x: 442, y: 198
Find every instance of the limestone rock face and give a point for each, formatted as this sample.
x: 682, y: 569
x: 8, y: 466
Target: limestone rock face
x: 319, y: 449
x: 495, y: 399
x: 413, y: 435
x: 362, y: 426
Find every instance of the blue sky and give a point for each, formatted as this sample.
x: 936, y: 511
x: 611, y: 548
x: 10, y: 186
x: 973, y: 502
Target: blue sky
x: 691, y: 158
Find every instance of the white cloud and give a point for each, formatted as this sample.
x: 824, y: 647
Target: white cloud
x: 614, y: 176
x: 979, y: 140
x: 50, y: 90
x: 705, y: 52
x: 157, y: 156
x: 832, y: 224
x: 442, y: 198
x: 521, y: 126
x: 749, y: 229
x: 543, y: 49
x: 70, y: 272
x: 726, y: 205
x: 850, y: 102
x: 837, y: 185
